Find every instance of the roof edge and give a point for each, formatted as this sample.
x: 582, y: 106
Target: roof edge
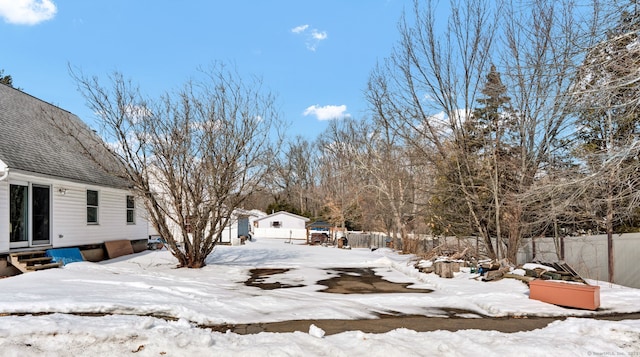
x: 286, y: 213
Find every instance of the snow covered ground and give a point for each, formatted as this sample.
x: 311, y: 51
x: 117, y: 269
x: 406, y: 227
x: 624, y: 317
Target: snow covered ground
x: 128, y: 288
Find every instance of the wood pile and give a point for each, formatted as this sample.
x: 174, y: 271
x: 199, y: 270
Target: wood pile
x: 494, y: 270
x: 446, y: 268
x: 545, y: 271
x: 526, y: 279
x: 555, y: 271
x: 424, y: 269
x: 447, y: 251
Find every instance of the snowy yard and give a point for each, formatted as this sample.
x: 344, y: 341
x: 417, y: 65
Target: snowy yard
x: 123, y: 300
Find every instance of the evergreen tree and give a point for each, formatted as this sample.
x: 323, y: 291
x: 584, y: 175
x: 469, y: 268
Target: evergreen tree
x: 493, y: 119
x: 495, y: 136
x: 6, y: 80
x: 484, y: 157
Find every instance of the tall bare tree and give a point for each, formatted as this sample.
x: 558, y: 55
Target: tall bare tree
x: 544, y: 42
x: 341, y: 183
x: 294, y: 179
x: 426, y: 91
x: 391, y: 178
x: 193, y: 154
x: 427, y: 88
x: 607, y: 98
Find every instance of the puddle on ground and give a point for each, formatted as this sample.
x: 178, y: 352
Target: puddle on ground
x: 347, y: 281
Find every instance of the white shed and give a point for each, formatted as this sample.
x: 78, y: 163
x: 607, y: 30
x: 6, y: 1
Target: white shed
x: 281, y: 224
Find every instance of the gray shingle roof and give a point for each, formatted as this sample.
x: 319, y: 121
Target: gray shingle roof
x: 29, y: 141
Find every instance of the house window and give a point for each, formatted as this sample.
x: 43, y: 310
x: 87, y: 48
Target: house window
x: 92, y: 207
x: 276, y: 224
x: 131, y: 210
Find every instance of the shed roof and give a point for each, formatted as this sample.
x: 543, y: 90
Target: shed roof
x: 30, y: 142
x: 285, y: 213
x: 320, y: 224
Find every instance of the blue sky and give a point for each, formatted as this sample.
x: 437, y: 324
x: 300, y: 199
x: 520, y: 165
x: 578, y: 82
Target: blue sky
x: 315, y: 55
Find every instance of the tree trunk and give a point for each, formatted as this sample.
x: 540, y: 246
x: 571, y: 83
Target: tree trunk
x: 609, y: 225
x: 610, y: 208
x: 515, y: 233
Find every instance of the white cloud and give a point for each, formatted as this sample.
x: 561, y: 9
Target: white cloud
x: 27, y: 12
x: 312, y: 37
x: 315, y: 34
x: 328, y: 112
x: 299, y: 29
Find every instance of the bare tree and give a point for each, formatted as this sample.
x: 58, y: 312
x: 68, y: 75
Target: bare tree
x: 193, y: 155
x: 544, y: 43
x: 341, y: 184
x: 294, y: 179
x: 607, y: 99
x: 426, y: 90
x: 392, y: 178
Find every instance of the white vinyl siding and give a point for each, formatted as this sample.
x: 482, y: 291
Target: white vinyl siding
x: 282, y: 220
x: 287, y: 226
x: 69, y: 214
x: 294, y: 233
x: 112, y: 223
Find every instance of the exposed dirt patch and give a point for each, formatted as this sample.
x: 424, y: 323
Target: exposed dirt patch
x: 387, y: 323
x: 364, y: 281
x: 347, y: 281
x: 258, y: 277
x: 452, y: 320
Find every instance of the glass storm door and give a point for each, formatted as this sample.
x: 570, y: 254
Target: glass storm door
x: 40, y: 222
x: 19, y: 216
x: 30, y: 213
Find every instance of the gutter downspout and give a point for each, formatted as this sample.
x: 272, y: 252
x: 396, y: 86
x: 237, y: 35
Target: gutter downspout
x: 5, y: 175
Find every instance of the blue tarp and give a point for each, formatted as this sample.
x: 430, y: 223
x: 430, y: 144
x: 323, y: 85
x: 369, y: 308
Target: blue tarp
x: 65, y: 255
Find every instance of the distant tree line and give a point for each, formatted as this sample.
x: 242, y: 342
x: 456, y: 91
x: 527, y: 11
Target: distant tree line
x: 508, y: 120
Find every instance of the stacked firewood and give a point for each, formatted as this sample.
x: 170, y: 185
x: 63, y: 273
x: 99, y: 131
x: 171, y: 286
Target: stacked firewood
x: 494, y: 270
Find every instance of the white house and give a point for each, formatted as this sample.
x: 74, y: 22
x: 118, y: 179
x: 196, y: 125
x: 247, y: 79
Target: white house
x: 281, y: 225
x: 51, y: 194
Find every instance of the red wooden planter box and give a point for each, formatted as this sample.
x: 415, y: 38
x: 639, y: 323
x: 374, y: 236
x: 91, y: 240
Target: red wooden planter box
x: 564, y: 294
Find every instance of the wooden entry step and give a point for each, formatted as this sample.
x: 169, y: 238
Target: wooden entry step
x: 33, y: 260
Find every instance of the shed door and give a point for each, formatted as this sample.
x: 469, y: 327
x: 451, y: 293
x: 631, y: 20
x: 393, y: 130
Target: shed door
x: 243, y: 226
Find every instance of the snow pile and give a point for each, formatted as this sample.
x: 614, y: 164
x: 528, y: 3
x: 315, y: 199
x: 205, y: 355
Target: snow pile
x: 66, y: 335
x: 316, y: 331
x: 532, y: 266
x: 130, y: 289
